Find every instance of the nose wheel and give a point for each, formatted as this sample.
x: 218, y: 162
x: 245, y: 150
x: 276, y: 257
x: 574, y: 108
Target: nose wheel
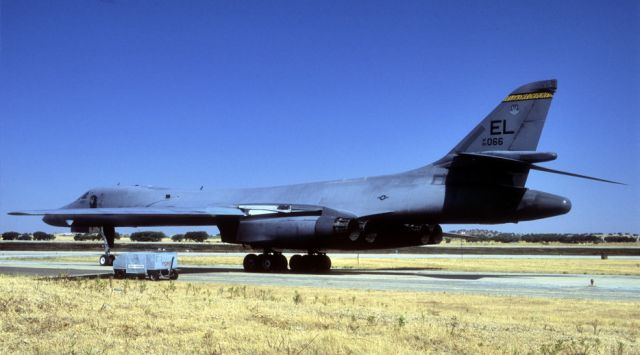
x: 106, y: 259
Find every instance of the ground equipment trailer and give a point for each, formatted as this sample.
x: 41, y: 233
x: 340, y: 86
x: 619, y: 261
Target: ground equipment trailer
x: 155, y: 265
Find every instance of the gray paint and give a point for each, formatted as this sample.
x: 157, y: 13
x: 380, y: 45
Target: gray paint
x: 480, y: 181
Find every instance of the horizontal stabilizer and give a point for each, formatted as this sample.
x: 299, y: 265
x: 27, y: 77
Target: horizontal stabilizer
x: 540, y: 168
x: 512, y: 162
x: 522, y: 156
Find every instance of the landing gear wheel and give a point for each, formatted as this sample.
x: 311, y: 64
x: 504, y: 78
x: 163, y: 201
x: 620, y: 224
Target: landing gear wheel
x: 296, y: 263
x: 119, y: 274
x: 250, y: 263
x: 307, y: 263
x: 154, y: 276
x: 267, y: 262
x: 282, y: 262
x: 105, y: 260
x: 111, y: 259
x: 324, y: 263
x: 310, y: 263
x: 173, y: 275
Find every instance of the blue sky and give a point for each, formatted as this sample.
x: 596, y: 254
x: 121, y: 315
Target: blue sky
x: 241, y: 93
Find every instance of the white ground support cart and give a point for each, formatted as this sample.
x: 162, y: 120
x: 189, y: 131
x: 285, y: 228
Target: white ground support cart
x: 155, y: 265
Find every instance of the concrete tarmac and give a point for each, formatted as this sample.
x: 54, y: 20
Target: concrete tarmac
x: 606, y: 287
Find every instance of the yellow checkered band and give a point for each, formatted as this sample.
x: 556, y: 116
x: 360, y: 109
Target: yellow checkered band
x: 531, y: 96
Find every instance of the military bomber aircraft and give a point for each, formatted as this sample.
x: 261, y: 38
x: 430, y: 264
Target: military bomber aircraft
x: 480, y: 181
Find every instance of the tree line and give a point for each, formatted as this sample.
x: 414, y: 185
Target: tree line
x: 144, y: 236
x: 581, y: 238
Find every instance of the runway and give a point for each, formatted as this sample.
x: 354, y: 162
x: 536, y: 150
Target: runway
x: 606, y: 287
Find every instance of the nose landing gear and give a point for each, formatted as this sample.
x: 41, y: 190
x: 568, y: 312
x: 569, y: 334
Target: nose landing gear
x: 108, y: 234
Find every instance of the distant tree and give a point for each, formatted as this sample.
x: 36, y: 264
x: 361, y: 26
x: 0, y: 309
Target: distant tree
x: 476, y: 238
x: 177, y: 237
x: 82, y: 237
x: 10, y: 235
x: 584, y: 239
x: 506, y: 238
x: 24, y: 236
x: 43, y: 236
x: 619, y: 239
x: 199, y: 236
x: 544, y: 238
x: 148, y: 236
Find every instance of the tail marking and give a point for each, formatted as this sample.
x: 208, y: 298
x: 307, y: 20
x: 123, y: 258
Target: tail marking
x: 531, y: 96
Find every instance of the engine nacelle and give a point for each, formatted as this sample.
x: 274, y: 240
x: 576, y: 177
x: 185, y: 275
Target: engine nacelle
x: 296, y: 231
x: 393, y: 235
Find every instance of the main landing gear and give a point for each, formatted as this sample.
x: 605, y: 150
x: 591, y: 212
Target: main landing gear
x: 265, y: 262
x: 108, y: 235
x: 273, y: 261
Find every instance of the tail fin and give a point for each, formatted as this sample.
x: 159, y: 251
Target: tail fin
x: 515, y: 124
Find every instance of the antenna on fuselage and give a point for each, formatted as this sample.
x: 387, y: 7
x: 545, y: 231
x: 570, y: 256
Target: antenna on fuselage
x: 201, y: 187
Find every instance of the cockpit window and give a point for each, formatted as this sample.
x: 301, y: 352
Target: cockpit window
x: 93, y: 201
x: 84, y: 197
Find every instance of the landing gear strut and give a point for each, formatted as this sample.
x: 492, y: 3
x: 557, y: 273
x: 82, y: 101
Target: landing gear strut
x: 265, y: 262
x: 108, y: 234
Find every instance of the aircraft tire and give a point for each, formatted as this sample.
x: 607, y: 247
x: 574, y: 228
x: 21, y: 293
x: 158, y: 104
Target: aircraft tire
x: 307, y: 263
x: 267, y: 263
x: 173, y: 275
x: 250, y: 263
x: 119, y: 274
x: 111, y: 259
x: 323, y: 263
x: 103, y: 260
x: 154, y: 275
x: 282, y: 262
x: 295, y: 263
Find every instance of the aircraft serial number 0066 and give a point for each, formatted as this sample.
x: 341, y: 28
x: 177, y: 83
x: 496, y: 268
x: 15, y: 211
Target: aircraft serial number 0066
x: 474, y: 183
x: 492, y: 141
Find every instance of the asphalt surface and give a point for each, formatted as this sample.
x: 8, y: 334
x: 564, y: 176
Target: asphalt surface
x: 606, y: 287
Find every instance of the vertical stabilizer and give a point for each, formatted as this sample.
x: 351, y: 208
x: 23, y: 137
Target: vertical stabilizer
x: 515, y: 124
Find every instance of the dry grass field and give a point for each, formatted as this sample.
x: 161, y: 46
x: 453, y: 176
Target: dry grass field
x: 592, y: 265
x: 131, y: 316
